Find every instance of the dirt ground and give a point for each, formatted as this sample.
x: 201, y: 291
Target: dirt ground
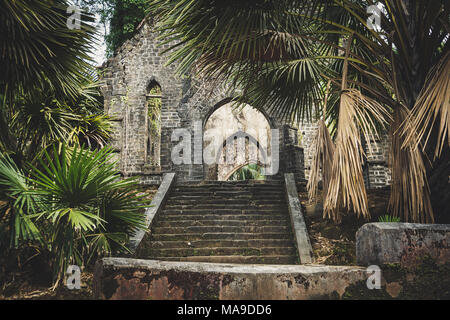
x: 334, y: 244
x: 24, y: 289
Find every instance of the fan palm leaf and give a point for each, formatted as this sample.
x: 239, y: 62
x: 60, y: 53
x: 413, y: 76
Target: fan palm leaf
x: 281, y: 54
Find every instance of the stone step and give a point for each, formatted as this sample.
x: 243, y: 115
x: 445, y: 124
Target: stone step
x: 219, y: 236
x: 227, y: 196
x: 287, y: 260
x: 221, y: 251
x: 262, y: 243
x: 230, y: 205
x: 234, y: 211
x: 231, y: 184
x: 215, y: 217
x: 216, y: 202
x: 212, y: 189
x: 221, y: 229
x: 227, y: 193
x: 239, y: 222
x: 215, y: 223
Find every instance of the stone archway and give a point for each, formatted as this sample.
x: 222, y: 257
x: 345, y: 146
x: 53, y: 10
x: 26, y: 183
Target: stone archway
x: 236, y: 137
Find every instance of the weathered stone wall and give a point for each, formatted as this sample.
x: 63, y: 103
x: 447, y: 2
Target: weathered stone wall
x: 378, y: 174
x: 118, y: 279
x: 406, y: 244
x: 186, y: 101
x: 129, y: 279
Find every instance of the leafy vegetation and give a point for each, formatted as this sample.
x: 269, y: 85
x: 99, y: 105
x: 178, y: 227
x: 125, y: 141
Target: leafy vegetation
x: 60, y: 194
x: 249, y: 172
x: 282, y: 54
x: 388, y: 218
x: 76, y: 205
x: 122, y: 17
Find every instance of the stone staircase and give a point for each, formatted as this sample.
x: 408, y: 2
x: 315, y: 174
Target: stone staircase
x: 223, y: 222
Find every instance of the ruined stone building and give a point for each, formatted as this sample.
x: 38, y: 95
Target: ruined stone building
x: 149, y: 101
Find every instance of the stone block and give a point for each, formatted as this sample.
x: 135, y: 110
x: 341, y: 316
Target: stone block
x: 121, y: 279
x: 406, y: 244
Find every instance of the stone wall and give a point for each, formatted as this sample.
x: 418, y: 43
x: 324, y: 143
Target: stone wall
x: 406, y: 244
x: 186, y: 102
x: 119, y: 279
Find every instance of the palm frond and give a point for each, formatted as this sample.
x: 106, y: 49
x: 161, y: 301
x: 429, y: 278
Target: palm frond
x: 410, y: 195
x: 432, y: 110
x: 322, y: 159
x: 37, y: 46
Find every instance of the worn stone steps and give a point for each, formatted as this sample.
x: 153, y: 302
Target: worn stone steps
x: 226, y: 202
x: 219, y: 236
x: 229, y: 206
x: 219, y: 251
x: 225, y: 192
x: 216, y: 223
x: 221, y: 228
x: 277, y: 259
x: 261, y: 243
x: 230, y: 211
x: 228, y: 222
x: 227, y: 217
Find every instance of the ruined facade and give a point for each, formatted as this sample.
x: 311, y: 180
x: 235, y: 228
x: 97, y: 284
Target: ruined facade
x: 130, y: 77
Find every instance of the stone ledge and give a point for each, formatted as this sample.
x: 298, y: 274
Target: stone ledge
x: 303, y: 243
x: 120, y: 278
x: 158, y: 202
x: 406, y: 244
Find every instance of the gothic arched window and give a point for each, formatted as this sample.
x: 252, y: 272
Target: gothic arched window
x: 154, y: 103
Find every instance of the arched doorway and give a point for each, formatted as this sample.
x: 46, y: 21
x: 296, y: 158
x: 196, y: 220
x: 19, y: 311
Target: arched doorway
x: 233, y: 138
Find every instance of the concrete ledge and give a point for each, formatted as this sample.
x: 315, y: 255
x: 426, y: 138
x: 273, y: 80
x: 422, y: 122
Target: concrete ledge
x: 404, y: 243
x: 155, y: 207
x: 297, y: 220
x: 120, y: 278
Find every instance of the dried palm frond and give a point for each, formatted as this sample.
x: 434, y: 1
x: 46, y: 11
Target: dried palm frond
x: 410, y: 194
x: 322, y: 158
x: 322, y: 155
x: 432, y: 107
x: 358, y: 116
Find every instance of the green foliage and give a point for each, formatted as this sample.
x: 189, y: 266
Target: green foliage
x: 16, y: 205
x: 37, y: 119
x: 75, y: 204
x: 248, y: 172
x: 388, y: 218
x: 125, y: 19
x: 122, y: 16
x: 281, y: 54
x: 154, y: 111
x: 48, y: 90
x: 55, y: 196
x: 37, y: 47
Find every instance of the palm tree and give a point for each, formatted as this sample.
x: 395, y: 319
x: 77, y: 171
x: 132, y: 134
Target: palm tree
x: 75, y: 206
x: 44, y: 64
x: 67, y: 200
x: 394, y: 79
